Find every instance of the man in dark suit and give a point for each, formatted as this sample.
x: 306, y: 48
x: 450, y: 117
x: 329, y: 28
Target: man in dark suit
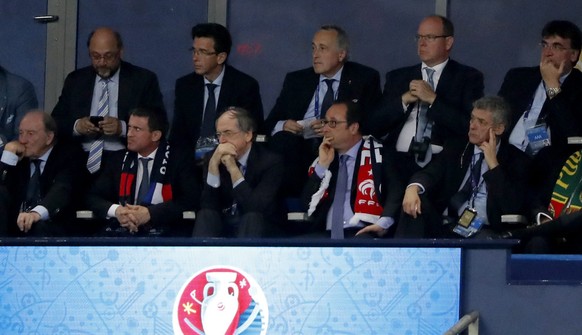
x: 546, y: 101
x: 242, y: 180
x: 107, y: 90
x: 39, y: 175
x: 346, y: 190
x: 294, y: 121
x: 194, y: 117
x: 426, y: 104
x: 147, y: 188
x: 485, y: 177
x: 17, y: 97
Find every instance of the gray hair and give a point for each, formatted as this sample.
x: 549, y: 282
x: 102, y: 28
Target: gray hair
x: 498, y: 107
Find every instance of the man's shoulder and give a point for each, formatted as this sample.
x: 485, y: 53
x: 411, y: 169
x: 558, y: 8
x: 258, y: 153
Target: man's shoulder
x: 355, y: 67
x: 231, y: 72
x: 302, y: 73
x: 524, y: 71
x: 128, y: 68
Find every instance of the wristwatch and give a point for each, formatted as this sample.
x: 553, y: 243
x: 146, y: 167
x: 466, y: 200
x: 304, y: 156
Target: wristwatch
x: 553, y: 91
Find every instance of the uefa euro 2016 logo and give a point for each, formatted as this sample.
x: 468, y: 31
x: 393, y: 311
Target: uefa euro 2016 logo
x: 221, y: 300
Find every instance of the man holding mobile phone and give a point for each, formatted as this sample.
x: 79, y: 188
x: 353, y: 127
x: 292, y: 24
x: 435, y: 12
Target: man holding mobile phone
x: 479, y: 180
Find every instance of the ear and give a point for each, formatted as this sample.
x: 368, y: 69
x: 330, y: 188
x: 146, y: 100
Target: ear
x: 449, y: 42
x: 355, y: 128
x: 575, y: 56
x: 342, y: 56
x: 499, y: 129
x: 221, y: 58
x: 121, y: 53
x: 50, y: 138
x: 248, y: 136
x: 156, y: 135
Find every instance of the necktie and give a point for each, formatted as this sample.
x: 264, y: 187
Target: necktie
x: 144, y: 184
x: 337, y: 216
x: 327, y: 99
x: 422, y: 129
x: 424, y: 125
x: 469, y: 187
x: 209, y: 113
x: 96, y: 150
x: 33, y: 191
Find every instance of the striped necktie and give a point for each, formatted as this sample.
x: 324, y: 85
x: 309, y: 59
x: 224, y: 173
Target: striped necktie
x: 96, y: 150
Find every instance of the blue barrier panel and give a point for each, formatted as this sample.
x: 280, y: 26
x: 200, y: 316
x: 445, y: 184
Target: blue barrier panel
x: 175, y: 289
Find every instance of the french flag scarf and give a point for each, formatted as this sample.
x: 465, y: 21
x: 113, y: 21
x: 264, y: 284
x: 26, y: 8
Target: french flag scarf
x: 160, y: 189
x: 367, y: 207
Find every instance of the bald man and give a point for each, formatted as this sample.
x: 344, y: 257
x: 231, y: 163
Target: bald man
x: 94, y: 106
x: 40, y: 177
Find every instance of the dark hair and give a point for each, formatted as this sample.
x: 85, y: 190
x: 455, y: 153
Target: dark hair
x: 498, y: 107
x: 566, y: 30
x: 243, y: 117
x: 220, y: 35
x: 448, y: 27
x: 116, y: 34
x: 343, y: 42
x: 157, y: 118
x: 353, y: 112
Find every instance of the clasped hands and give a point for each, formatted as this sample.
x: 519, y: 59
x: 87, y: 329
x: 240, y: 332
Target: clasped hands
x: 225, y: 154
x: 132, y: 216
x: 110, y: 126
x: 419, y: 90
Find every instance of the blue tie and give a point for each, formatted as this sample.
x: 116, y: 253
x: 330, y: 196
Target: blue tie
x: 337, y: 214
x: 327, y: 99
x: 144, y: 185
x: 209, y: 113
x: 424, y: 125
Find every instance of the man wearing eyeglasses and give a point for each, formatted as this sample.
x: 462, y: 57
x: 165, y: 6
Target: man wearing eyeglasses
x: 346, y: 194
x: 211, y: 88
x: 241, y: 195
x: 428, y: 103
x: 94, y: 105
x: 546, y: 100
x: 293, y: 123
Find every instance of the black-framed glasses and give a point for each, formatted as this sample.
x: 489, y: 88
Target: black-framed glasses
x: 429, y: 38
x: 226, y: 134
x: 554, y: 46
x: 202, y: 52
x: 331, y: 123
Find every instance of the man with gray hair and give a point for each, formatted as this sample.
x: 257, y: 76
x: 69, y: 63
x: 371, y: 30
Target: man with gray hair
x: 294, y: 122
x: 470, y: 185
x: 240, y: 197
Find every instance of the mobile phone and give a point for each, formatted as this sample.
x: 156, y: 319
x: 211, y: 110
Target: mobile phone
x: 95, y: 120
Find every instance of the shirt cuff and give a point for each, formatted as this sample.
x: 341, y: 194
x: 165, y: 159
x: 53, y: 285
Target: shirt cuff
x: 9, y: 158
x: 385, y: 222
x: 278, y: 127
x: 111, y: 211
x: 236, y: 183
x: 421, y: 191
x: 320, y: 170
x: 42, y: 211
x: 123, y: 129
x: 213, y: 180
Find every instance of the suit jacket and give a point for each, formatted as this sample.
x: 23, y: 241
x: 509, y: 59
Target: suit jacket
x: 563, y: 113
x: 390, y: 201
x: 237, y: 89
x: 166, y: 215
x: 58, y: 183
x: 138, y: 87
x: 458, y: 86
x: 506, y: 183
x: 357, y: 82
x: 258, y: 193
x: 17, y: 97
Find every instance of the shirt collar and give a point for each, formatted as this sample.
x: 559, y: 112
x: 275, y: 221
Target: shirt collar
x: 218, y: 80
x: 337, y: 76
x: 245, y: 157
x: 152, y: 155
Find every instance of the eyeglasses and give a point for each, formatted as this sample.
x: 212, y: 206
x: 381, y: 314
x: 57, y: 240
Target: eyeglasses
x: 553, y: 46
x: 226, y: 134
x: 429, y: 38
x: 109, y: 56
x: 331, y: 123
x: 202, y: 52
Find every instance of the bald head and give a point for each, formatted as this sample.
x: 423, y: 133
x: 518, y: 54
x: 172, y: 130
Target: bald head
x: 105, y: 49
